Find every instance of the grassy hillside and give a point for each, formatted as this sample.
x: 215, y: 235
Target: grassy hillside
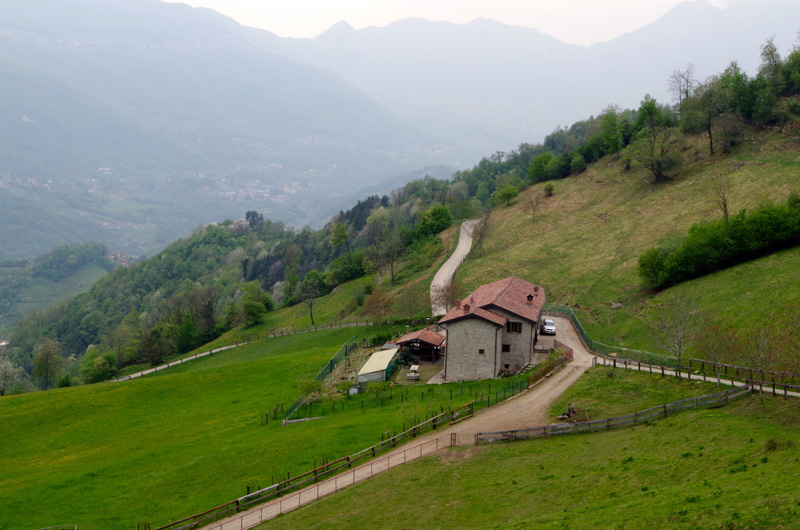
x: 159, y: 448
x: 715, y: 469
x: 586, y: 238
x: 185, y: 440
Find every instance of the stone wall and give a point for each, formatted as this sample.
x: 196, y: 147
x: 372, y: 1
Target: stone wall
x: 520, y: 344
x: 465, y: 339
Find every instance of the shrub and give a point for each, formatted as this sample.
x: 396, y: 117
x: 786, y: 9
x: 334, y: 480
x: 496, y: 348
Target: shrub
x: 548, y: 189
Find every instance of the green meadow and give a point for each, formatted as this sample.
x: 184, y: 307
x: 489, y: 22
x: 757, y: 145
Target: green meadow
x: 184, y: 440
x: 734, y: 467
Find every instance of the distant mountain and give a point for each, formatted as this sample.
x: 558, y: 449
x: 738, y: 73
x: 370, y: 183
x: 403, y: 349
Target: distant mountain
x: 492, y: 86
x: 130, y: 122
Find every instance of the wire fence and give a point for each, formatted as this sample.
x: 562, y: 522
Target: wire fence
x: 440, y: 397
x: 343, y: 352
x: 659, y: 411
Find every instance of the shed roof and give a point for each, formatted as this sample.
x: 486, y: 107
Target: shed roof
x: 426, y: 335
x: 378, y: 362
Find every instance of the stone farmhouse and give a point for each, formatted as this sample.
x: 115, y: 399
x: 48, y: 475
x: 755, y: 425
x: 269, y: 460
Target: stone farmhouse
x: 493, y: 330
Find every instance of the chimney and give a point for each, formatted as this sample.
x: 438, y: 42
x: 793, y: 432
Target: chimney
x: 458, y: 304
x: 466, y: 308
x: 427, y: 322
x: 407, y: 329
x: 530, y: 299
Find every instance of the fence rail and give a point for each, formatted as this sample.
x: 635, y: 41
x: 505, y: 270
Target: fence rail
x: 318, y: 473
x: 659, y: 411
x: 546, y: 368
x: 743, y: 372
x: 62, y: 527
x: 297, y: 499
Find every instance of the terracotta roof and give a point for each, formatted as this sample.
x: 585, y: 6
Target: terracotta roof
x: 510, y: 294
x: 426, y: 335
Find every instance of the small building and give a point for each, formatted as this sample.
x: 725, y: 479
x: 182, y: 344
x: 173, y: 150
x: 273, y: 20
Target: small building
x: 424, y: 344
x: 378, y: 368
x: 493, y: 330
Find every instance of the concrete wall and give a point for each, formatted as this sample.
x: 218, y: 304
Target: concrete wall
x: 465, y: 338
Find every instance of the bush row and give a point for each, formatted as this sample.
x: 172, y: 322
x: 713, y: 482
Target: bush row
x: 710, y: 247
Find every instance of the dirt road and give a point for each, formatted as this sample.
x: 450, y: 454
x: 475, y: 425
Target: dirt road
x: 446, y: 272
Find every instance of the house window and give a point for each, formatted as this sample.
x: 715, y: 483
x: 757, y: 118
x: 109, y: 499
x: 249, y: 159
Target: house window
x: 506, y: 348
x: 514, y: 327
x: 481, y: 352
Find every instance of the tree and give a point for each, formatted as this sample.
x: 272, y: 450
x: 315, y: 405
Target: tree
x: 391, y: 251
x: 340, y: 236
x: 446, y: 296
x: 254, y: 219
x: 537, y: 171
x: 759, y: 350
x: 611, y: 130
x: 253, y: 312
x: 709, y: 101
x: 657, y: 149
x: 505, y: 194
x: 713, y: 343
x: 47, y: 361
x: 533, y: 203
x: 721, y: 185
x: 98, y: 367
x: 771, y: 66
x: 434, y: 220
x: 311, y: 390
x: 11, y: 375
x: 681, y: 83
x: 312, y: 287
x: 480, y: 232
x: 578, y: 164
x: 676, y: 325
x: 156, y: 343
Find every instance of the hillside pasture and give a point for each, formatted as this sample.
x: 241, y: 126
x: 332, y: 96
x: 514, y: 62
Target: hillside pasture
x: 585, y: 242
x: 192, y: 437
x: 724, y: 468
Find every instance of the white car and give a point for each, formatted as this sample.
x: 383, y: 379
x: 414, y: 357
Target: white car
x: 549, y: 326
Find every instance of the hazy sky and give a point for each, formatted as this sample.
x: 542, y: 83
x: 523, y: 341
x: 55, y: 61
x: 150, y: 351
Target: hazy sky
x: 574, y: 21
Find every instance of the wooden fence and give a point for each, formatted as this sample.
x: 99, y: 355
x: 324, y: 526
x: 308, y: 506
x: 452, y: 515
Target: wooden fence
x: 659, y: 411
x: 691, y: 374
x: 62, y: 527
x: 742, y: 372
x: 348, y: 478
x: 547, y: 368
x: 320, y: 473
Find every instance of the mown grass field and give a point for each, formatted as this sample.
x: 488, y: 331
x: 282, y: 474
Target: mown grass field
x: 734, y: 467
x: 585, y: 242
x: 156, y: 449
x: 185, y: 440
